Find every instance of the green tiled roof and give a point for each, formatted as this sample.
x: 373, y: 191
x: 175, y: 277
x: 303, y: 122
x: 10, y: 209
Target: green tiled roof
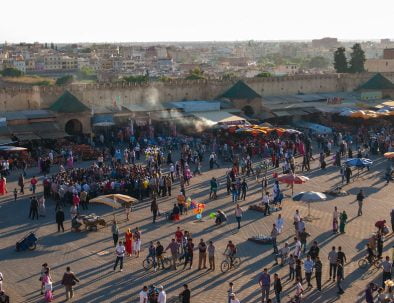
x: 68, y: 103
x: 377, y: 82
x: 240, y: 90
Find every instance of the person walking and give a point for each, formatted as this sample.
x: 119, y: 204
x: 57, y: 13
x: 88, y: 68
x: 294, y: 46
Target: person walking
x: 144, y: 295
x: 115, y: 232
x: 341, y: 256
x: 314, y: 251
x: 342, y: 222
x: 120, y: 252
x: 185, y: 295
x: 33, y: 208
x: 202, y: 254
x: 60, y: 219
x: 173, y: 247
x: 308, y: 267
x: 230, y: 291
x: 340, y: 277
x: 154, y: 208
x: 21, y: 184
x: 265, y: 282
x: 387, y: 267
x: 303, y: 235
x: 68, y: 281
x: 335, y: 220
x: 279, y: 222
x: 360, y: 198
x: 33, y: 184
x: 137, y: 242
x: 238, y: 215
x: 162, y: 298
x: 274, y: 235
x: 266, y: 203
x: 244, y: 188
x: 189, y: 253
x: 211, y: 256
x: 392, y: 220
x: 348, y: 174
x: 318, y: 272
x: 277, y: 287
x: 291, y: 263
x: 332, y: 258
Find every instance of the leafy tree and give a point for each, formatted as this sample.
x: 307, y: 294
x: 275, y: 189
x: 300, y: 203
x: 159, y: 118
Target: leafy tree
x: 264, y: 75
x: 340, y: 61
x: 164, y: 79
x: 228, y: 76
x: 357, y: 59
x: 136, y: 79
x: 11, y: 72
x: 65, y: 80
x: 195, y: 74
x: 52, y: 45
x: 318, y: 62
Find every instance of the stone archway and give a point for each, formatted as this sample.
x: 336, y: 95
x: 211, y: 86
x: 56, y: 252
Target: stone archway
x: 73, y: 127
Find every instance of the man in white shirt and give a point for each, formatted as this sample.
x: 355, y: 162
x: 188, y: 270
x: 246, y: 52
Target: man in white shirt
x: 233, y: 299
x: 297, y: 248
x: 144, y: 295
x: 120, y: 251
x: 162, y: 295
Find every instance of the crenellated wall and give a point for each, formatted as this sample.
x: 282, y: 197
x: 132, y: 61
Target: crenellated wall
x: 100, y: 95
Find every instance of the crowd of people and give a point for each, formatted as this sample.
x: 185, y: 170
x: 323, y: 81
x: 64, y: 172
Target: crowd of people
x: 149, y: 172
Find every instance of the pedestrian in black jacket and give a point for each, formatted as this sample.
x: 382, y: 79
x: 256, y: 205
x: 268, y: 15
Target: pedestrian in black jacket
x: 33, y: 208
x: 277, y: 287
x: 60, y: 219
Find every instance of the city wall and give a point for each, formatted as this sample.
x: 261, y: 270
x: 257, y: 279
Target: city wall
x: 99, y: 96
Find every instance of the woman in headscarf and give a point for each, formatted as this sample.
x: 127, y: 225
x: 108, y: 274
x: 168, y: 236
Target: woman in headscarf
x: 129, y: 242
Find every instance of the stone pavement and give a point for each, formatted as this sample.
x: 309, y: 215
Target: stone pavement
x: 91, y: 255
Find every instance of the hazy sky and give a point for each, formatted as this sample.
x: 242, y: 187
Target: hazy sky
x: 193, y: 20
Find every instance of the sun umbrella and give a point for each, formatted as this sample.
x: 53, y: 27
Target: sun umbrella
x: 359, y: 162
x: 106, y: 201
x: 292, y: 179
x: 123, y: 198
x: 389, y: 155
x: 309, y: 196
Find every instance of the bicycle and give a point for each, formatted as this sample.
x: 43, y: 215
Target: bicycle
x: 148, y: 263
x: 227, y: 264
x: 364, y: 262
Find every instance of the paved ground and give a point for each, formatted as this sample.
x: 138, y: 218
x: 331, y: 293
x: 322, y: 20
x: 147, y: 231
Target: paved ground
x: 91, y: 254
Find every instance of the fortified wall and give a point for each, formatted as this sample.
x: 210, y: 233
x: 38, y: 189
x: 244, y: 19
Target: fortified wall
x: 98, y: 96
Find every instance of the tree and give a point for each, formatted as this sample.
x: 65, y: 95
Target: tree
x: 65, y: 80
x: 52, y: 45
x: 318, y: 62
x: 357, y: 59
x: 264, y: 75
x: 340, y: 61
x: 46, y: 45
x: 11, y: 72
x: 136, y: 79
x: 195, y: 74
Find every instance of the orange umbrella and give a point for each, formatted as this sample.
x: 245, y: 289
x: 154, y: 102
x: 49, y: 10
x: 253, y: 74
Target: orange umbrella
x: 389, y: 155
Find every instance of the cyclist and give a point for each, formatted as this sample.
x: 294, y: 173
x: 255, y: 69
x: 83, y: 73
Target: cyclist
x: 159, y: 254
x: 152, y: 254
x: 230, y: 251
x: 371, y: 256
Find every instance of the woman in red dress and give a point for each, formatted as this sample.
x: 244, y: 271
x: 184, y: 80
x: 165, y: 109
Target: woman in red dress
x: 129, y: 242
x: 3, y: 186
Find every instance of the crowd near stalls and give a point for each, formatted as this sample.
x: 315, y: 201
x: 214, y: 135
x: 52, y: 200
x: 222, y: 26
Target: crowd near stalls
x: 147, y: 167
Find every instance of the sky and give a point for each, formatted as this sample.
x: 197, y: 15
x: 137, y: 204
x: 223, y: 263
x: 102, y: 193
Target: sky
x: 193, y: 20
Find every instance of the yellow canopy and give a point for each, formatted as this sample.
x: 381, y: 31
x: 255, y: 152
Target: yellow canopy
x: 106, y: 200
